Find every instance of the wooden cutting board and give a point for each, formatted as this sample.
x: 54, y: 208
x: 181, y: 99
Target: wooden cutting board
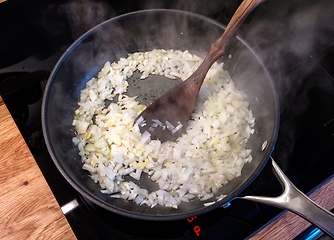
x: 28, y: 209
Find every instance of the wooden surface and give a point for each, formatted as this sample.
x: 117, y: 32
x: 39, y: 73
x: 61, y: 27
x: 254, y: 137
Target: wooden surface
x: 28, y: 209
x: 288, y: 225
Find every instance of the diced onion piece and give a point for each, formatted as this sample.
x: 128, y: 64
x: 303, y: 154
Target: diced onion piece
x: 210, y: 153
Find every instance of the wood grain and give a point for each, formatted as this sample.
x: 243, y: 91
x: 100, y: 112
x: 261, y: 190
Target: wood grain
x: 28, y: 208
x: 289, y: 225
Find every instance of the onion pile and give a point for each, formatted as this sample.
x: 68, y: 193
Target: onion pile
x: 210, y: 153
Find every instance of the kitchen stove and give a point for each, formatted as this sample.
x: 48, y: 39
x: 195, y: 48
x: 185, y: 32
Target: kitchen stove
x: 38, y: 33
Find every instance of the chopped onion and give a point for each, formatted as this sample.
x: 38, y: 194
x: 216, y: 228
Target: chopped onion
x: 201, y: 161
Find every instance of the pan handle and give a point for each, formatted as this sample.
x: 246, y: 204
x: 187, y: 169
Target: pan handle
x: 294, y: 200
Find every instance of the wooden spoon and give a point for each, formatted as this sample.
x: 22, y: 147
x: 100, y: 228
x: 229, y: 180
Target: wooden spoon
x: 166, y: 118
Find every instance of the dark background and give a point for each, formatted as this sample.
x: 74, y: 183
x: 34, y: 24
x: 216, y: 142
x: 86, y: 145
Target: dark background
x: 294, y: 38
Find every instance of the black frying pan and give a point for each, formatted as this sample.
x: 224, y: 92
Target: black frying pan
x: 143, y: 31
x: 167, y: 29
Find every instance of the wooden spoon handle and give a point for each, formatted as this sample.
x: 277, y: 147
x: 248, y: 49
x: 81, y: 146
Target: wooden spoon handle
x: 218, y: 47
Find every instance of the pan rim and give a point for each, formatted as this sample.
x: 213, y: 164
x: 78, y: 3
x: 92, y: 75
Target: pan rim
x: 143, y: 216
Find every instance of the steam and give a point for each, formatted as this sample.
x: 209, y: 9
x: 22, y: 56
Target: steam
x: 291, y: 45
x: 295, y: 43
x: 290, y: 42
x: 84, y: 15
x: 220, y: 10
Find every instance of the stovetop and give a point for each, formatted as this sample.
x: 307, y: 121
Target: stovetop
x: 294, y: 38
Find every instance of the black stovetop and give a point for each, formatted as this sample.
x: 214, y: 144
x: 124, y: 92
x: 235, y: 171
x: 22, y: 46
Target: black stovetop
x: 297, y: 34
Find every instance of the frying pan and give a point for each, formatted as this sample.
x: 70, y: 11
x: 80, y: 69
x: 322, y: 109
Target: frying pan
x: 143, y: 31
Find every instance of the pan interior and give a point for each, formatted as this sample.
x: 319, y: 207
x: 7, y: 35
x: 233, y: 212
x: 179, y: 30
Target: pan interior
x: 143, y: 31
